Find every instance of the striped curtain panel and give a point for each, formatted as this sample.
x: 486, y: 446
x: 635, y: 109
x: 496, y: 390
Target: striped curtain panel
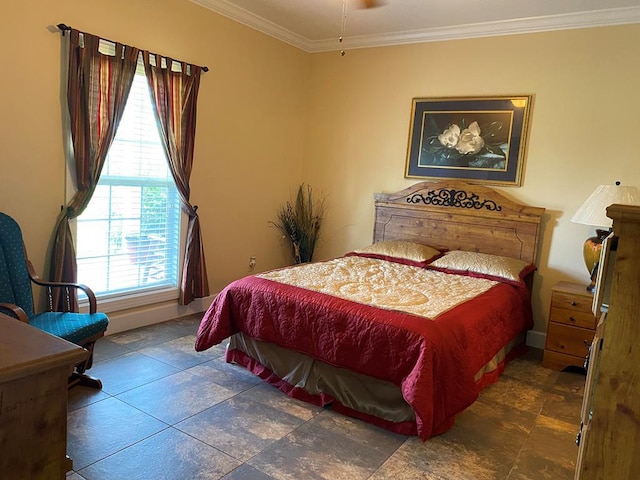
x: 97, y: 90
x: 174, y: 92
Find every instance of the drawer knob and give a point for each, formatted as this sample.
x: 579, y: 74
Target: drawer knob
x: 571, y: 319
x: 574, y: 303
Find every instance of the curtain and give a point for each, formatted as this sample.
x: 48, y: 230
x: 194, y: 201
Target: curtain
x: 97, y: 90
x: 174, y: 94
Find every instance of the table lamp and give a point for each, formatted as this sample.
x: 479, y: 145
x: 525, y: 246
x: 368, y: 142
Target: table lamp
x: 594, y: 212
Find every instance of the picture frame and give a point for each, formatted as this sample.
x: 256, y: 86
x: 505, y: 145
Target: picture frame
x: 476, y: 139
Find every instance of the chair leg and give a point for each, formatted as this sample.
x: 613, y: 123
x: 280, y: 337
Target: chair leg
x: 79, y: 377
x: 84, y: 380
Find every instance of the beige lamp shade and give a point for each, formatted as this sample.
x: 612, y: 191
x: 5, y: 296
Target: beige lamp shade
x: 594, y: 210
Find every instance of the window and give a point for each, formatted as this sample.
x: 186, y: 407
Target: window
x: 128, y: 238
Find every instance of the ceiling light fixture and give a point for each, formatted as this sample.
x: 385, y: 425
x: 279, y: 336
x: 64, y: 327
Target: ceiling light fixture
x: 363, y: 4
x: 344, y: 25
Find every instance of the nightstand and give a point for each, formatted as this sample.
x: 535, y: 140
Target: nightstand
x: 571, y: 326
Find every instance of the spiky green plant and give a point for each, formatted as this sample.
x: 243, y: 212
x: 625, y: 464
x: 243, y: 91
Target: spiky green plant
x: 300, y: 223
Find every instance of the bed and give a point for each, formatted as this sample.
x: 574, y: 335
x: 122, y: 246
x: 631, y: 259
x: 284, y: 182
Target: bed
x: 403, y: 333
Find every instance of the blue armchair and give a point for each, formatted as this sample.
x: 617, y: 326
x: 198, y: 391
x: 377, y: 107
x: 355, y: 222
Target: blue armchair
x: 16, y: 299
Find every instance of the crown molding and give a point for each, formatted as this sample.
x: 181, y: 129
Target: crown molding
x: 596, y: 18
x: 252, y: 20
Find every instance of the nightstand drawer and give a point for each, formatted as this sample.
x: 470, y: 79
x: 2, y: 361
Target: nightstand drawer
x: 573, y: 317
x: 560, y: 361
x: 572, y: 302
x: 569, y: 340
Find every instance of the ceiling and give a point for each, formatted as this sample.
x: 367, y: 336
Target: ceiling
x: 316, y: 25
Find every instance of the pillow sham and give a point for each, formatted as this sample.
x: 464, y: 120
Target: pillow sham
x: 400, y: 251
x: 484, y: 265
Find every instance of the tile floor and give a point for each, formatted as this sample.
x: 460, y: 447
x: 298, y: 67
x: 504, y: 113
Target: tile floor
x: 167, y: 412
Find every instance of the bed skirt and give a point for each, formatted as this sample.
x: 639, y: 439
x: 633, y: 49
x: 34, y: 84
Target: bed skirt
x: 373, y: 400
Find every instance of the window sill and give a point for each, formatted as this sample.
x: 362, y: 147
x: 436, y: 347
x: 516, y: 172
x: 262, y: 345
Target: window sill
x: 132, y: 300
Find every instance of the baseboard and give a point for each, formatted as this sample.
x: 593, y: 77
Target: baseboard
x: 149, y: 315
x: 536, y: 339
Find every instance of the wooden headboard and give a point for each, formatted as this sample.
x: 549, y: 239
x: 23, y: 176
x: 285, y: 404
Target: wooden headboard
x: 458, y: 216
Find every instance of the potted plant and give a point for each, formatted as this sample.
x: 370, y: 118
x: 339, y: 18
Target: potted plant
x: 300, y: 223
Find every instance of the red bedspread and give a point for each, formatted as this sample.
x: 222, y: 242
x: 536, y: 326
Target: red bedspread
x: 432, y: 361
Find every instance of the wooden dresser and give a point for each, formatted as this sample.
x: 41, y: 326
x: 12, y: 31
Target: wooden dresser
x: 34, y: 371
x: 571, y: 326
x: 610, y: 431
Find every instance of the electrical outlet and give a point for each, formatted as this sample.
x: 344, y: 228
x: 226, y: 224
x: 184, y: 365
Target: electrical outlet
x: 252, y: 263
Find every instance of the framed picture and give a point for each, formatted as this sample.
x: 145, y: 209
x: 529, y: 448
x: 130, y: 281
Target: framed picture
x: 478, y: 139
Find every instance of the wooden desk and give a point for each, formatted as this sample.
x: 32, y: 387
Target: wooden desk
x: 34, y: 371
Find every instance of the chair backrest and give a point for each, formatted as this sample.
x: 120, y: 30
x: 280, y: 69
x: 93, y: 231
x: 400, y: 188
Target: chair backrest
x: 15, y: 284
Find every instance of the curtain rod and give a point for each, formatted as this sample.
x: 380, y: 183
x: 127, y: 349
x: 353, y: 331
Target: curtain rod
x: 65, y: 28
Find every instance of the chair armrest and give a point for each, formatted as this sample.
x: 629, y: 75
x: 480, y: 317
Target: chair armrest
x: 15, y: 311
x: 66, y: 285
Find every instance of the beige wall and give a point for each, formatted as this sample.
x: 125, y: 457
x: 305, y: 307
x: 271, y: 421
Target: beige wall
x: 270, y: 116
x: 585, y: 120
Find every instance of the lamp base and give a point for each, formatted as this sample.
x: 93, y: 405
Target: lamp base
x: 591, y: 252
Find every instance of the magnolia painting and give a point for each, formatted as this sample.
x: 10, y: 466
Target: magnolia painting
x: 479, y: 139
x: 480, y: 142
